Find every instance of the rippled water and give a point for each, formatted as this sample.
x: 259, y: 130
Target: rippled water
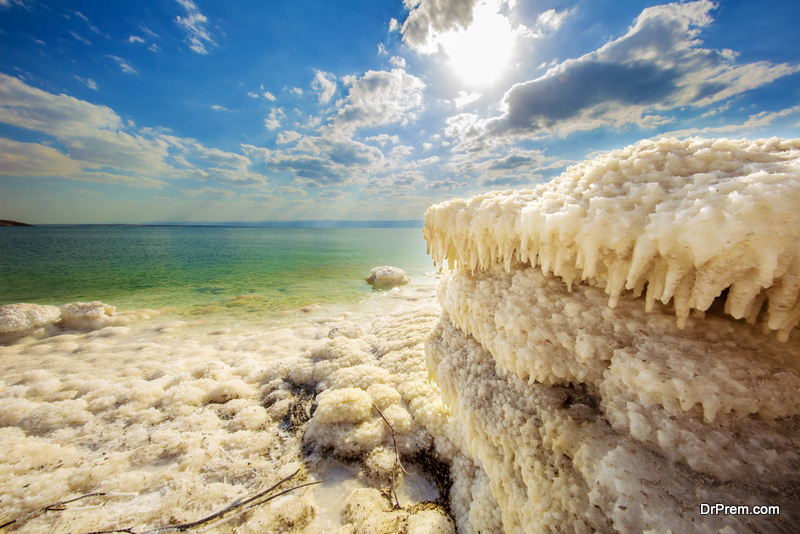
x: 202, y: 270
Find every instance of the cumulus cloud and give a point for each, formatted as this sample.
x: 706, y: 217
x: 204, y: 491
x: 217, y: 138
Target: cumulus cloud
x: 273, y: 121
x: 379, y: 98
x: 217, y: 107
x: 430, y: 18
x: 465, y: 98
x: 288, y: 137
x: 324, y: 85
x: 289, y: 190
x: 658, y: 65
x: 269, y: 96
x: 382, y: 139
x: 327, y: 160
x: 401, y: 151
x: 398, y: 62
x: 195, y: 25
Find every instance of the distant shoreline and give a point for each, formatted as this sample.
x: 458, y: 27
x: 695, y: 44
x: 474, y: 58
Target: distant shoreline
x: 6, y: 222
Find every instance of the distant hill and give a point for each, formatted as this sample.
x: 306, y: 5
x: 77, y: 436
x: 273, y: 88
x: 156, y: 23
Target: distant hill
x: 5, y: 222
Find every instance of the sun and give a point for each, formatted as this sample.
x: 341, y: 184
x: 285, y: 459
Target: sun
x: 480, y: 53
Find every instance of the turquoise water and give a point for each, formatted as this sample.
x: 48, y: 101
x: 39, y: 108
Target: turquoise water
x: 201, y: 270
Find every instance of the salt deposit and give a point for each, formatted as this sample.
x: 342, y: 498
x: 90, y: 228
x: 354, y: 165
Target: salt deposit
x: 175, y: 418
x: 584, y: 407
x: 687, y: 219
x: 387, y: 277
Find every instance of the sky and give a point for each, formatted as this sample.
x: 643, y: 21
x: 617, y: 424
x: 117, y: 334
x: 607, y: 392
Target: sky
x: 258, y: 110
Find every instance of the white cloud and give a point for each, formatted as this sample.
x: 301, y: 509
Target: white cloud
x: 273, y: 121
x: 447, y: 184
x: 90, y: 83
x: 465, y: 98
x: 296, y: 91
x: 269, y: 96
x: 331, y: 194
x: 382, y: 50
x: 427, y: 146
x: 398, y: 62
x: 95, y: 146
x: 195, y: 25
x: 209, y: 191
x: 384, y: 138
x: 123, y: 65
x: 324, y: 85
x: 401, y: 151
x: 135, y: 39
x: 252, y: 94
x: 289, y: 190
x: 154, y: 48
x: 394, y: 26
x: 216, y: 107
x: 80, y: 38
x: 551, y: 20
x: 380, y: 97
x: 288, y: 137
x: 430, y: 18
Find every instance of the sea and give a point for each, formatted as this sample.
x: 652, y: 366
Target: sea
x: 239, y: 272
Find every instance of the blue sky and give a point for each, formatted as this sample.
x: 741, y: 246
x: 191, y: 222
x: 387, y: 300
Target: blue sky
x: 200, y: 110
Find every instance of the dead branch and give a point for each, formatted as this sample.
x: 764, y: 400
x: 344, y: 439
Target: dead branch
x: 397, y: 461
x: 237, y: 507
x: 55, y: 507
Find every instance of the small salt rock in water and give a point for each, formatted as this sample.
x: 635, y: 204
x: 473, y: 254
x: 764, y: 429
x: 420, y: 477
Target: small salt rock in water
x: 388, y: 277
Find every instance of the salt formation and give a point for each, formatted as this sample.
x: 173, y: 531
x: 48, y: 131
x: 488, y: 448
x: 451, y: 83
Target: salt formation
x: 18, y: 320
x: 587, y: 408
x: 387, y: 277
x: 178, y: 418
x: 687, y: 219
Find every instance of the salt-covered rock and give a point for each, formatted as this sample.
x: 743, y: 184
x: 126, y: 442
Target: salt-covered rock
x: 586, y: 406
x: 387, y: 277
x: 17, y: 320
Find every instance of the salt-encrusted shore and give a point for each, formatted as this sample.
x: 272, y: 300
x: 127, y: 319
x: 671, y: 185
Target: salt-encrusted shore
x: 617, y: 346
x: 177, y: 418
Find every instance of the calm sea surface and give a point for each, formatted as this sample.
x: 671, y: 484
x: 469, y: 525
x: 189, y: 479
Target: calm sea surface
x: 201, y: 270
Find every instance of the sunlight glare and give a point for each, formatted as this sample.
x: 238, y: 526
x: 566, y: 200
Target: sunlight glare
x: 481, y: 53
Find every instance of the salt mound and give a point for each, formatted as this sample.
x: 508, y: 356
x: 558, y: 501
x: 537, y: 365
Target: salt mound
x: 387, y: 277
x: 17, y: 320
x: 578, y: 416
x: 687, y: 219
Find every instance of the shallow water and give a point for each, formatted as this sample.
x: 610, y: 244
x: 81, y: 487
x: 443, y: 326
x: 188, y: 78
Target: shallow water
x: 201, y: 271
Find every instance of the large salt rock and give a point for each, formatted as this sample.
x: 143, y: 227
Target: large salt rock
x: 585, y: 404
x: 17, y: 320
x: 88, y: 315
x: 387, y: 277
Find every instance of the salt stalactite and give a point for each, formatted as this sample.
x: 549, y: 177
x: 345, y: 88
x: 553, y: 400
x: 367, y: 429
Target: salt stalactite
x: 687, y: 219
x: 570, y: 383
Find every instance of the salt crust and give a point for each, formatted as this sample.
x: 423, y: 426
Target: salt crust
x: 555, y: 465
x: 688, y: 219
x: 186, y: 422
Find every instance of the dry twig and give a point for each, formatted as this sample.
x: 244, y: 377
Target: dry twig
x: 397, y: 461
x: 237, y: 507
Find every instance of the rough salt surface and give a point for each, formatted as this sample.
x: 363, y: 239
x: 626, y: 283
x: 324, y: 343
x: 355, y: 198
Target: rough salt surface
x: 181, y: 417
x: 687, y: 219
x: 585, y: 417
